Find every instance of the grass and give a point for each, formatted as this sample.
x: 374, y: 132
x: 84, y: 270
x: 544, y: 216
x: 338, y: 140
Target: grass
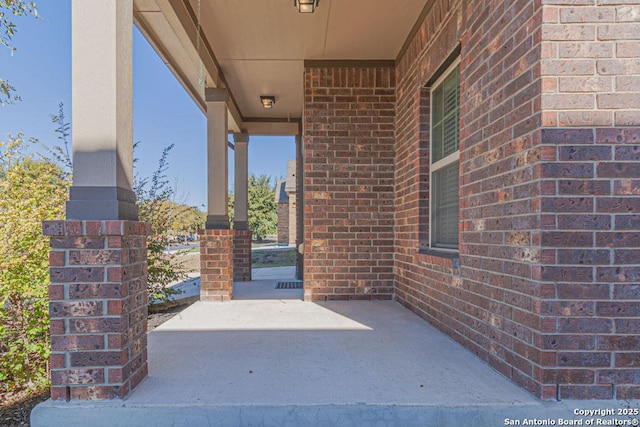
x: 264, y: 259
x: 190, y: 261
x: 191, y: 251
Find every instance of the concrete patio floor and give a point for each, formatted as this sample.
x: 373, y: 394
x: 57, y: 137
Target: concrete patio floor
x: 285, y: 362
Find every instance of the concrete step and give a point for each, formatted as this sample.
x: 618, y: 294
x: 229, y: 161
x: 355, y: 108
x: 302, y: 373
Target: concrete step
x: 358, y: 415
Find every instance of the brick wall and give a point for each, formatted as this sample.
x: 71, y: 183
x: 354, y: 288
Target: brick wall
x: 589, y: 261
x: 283, y: 222
x: 590, y: 63
x: 242, y: 255
x: 216, y: 264
x: 487, y: 303
x: 299, y: 208
x: 544, y: 290
x: 589, y: 201
x: 348, y: 189
x: 293, y: 218
x: 98, y: 308
x: 500, y: 221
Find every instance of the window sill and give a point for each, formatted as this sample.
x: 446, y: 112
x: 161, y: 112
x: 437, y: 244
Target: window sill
x: 447, y: 259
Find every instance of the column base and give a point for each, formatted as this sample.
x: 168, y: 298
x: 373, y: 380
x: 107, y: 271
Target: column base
x: 217, y: 222
x: 101, y: 203
x: 241, y: 225
x: 216, y: 264
x: 98, y: 308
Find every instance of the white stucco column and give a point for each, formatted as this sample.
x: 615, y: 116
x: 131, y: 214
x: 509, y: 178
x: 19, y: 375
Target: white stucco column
x: 241, y: 181
x: 217, y: 159
x: 102, y: 110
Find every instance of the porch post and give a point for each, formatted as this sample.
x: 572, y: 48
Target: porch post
x: 241, y: 182
x: 217, y: 159
x: 102, y: 111
x: 242, y: 239
x: 98, y: 300
x: 216, y: 240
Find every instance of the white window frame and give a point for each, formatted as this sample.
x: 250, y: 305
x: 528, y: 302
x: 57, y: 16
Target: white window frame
x: 445, y: 161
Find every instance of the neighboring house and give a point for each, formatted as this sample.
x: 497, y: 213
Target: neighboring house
x: 282, y: 201
x: 287, y: 202
x: 475, y: 161
x: 290, y: 189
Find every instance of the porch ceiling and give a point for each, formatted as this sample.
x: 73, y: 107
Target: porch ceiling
x: 258, y: 47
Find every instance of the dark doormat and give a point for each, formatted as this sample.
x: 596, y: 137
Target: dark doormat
x: 290, y: 284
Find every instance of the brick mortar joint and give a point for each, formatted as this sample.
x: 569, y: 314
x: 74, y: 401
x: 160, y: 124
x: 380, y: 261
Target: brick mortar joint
x: 213, y: 233
x: 95, y: 228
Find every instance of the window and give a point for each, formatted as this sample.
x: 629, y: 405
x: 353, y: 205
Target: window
x: 445, y: 160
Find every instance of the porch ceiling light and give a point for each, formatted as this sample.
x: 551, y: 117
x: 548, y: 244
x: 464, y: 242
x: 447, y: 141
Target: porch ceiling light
x: 306, y: 6
x: 268, y: 101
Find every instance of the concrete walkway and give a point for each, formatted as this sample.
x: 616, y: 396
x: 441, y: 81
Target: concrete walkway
x: 285, y: 362
x: 272, y: 273
x: 263, y: 286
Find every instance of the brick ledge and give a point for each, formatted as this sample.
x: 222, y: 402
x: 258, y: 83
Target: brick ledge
x: 446, y: 259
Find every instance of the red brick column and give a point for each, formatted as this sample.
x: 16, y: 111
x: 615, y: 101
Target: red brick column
x: 98, y: 308
x: 348, y: 182
x: 589, y: 201
x: 216, y: 265
x: 242, y: 255
x: 589, y: 263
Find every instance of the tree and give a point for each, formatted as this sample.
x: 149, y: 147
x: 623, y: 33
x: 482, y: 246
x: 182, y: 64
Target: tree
x: 8, y: 29
x: 186, y: 219
x: 231, y: 204
x: 262, y: 214
x: 34, y: 188
x: 154, y: 207
x: 31, y: 190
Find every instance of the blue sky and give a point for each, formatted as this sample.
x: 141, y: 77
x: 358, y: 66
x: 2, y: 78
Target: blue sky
x: 163, y: 112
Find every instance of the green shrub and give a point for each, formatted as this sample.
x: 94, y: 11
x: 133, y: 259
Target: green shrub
x: 153, y: 199
x: 31, y: 191
x: 34, y: 188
